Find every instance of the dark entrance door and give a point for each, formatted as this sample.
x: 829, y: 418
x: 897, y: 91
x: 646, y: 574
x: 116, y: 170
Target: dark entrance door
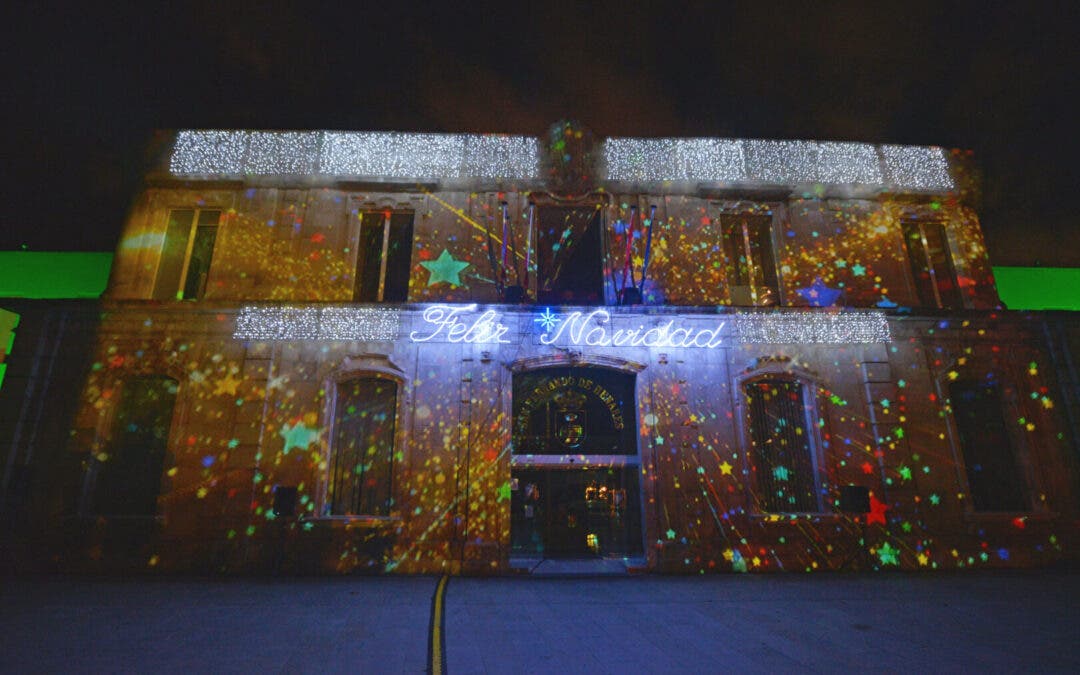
x: 576, y: 513
x: 574, y: 487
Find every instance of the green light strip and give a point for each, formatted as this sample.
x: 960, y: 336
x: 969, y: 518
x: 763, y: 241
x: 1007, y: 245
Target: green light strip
x: 1039, y: 287
x: 53, y: 275
x: 8, y: 322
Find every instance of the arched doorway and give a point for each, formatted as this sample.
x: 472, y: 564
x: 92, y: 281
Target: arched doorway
x: 575, y: 466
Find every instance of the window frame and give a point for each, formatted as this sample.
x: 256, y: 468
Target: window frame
x: 185, y: 267
x: 1028, y: 485
x: 105, y: 436
x: 920, y: 223
x: 384, y: 251
x: 775, y: 214
x: 598, y: 224
x: 366, y: 366
x: 812, y: 411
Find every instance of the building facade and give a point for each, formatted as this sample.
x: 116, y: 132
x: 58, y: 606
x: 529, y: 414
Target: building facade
x: 426, y: 353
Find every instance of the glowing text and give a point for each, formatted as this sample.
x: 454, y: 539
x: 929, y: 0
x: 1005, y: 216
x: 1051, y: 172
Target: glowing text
x: 445, y: 320
x: 588, y: 330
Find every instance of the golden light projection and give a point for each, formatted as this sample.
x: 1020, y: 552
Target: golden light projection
x: 683, y: 379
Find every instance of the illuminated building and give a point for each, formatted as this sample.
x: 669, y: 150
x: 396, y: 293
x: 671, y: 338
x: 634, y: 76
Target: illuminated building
x: 335, y: 351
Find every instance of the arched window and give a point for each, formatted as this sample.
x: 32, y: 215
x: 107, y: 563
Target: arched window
x: 362, y: 466
x: 128, y: 472
x: 781, y: 454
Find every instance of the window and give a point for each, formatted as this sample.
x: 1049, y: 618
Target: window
x: 185, y: 258
x: 384, y: 257
x: 362, y: 466
x: 128, y: 473
x: 569, y: 256
x: 781, y: 448
x: 994, y: 478
x: 931, y: 265
x: 751, y: 266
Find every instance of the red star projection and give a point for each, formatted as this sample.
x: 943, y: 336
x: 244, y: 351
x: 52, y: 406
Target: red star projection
x: 877, y: 511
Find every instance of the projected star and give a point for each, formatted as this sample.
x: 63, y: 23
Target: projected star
x: 888, y: 554
x: 298, y: 436
x: 877, y: 511
x: 445, y: 269
x: 504, y: 491
x: 818, y: 294
x: 226, y: 385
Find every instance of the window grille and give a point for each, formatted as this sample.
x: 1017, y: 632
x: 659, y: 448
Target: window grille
x: 362, y: 466
x: 782, y: 451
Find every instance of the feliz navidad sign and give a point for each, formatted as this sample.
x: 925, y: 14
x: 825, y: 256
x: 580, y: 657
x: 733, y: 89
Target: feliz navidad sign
x: 472, y: 324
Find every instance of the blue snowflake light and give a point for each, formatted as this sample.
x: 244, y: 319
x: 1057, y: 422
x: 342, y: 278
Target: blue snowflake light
x: 547, y: 320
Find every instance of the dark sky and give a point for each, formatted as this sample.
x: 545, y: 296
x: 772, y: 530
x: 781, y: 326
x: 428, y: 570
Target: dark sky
x: 91, y: 86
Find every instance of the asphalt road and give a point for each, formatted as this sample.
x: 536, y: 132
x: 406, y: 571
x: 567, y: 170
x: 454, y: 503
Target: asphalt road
x: 979, y: 622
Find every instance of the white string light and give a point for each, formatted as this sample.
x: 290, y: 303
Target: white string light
x: 782, y: 161
x: 658, y: 159
x: 917, y: 168
x: 855, y: 163
x: 281, y: 153
x: 392, y: 155
x: 463, y: 156
x: 776, y: 162
x: 209, y: 152
x: 367, y: 324
x: 501, y: 157
x: 371, y: 324
x: 367, y: 154
x: 809, y: 327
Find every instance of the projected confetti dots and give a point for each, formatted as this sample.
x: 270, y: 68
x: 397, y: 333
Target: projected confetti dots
x: 839, y: 336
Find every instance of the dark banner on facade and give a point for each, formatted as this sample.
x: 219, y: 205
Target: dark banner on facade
x: 579, y: 411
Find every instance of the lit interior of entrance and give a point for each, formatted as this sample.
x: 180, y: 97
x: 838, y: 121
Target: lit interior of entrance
x: 576, y: 513
x: 574, y: 482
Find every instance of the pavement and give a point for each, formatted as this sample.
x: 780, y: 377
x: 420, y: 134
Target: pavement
x: 996, y: 621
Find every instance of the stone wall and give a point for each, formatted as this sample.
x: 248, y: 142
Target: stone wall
x: 252, y: 415
x: 301, y: 245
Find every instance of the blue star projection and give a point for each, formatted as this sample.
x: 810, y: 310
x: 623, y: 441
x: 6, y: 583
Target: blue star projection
x: 820, y: 295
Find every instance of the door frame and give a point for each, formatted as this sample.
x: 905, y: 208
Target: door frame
x: 567, y: 462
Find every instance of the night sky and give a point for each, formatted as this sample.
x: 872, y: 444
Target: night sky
x: 91, y: 86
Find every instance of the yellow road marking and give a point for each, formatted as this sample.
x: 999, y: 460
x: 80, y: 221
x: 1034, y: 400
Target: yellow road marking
x: 435, y: 648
